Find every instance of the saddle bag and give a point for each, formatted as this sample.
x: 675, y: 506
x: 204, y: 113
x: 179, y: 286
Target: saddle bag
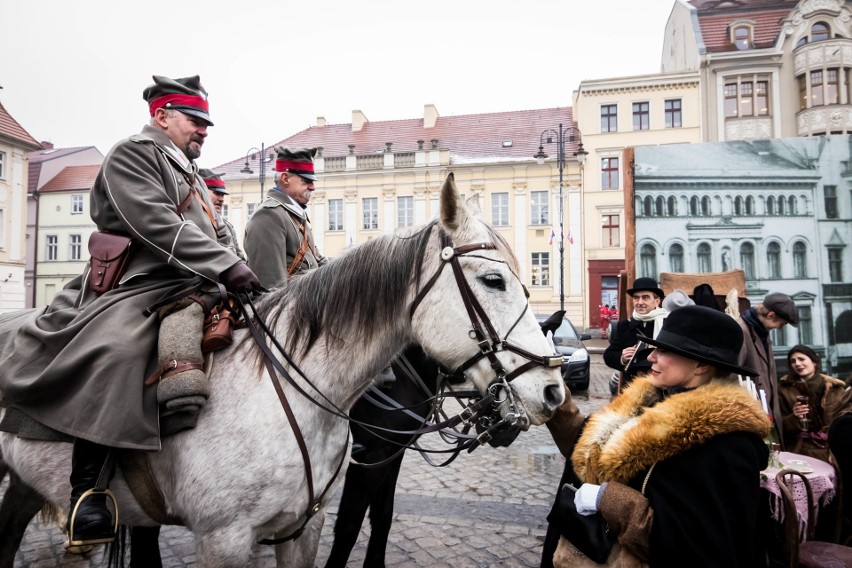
x: 218, y: 328
x: 110, y: 254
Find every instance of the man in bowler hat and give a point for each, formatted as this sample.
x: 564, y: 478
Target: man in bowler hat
x: 279, y: 242
x: 92, y: 351
x: 217, y: 191
x: 623, y: 352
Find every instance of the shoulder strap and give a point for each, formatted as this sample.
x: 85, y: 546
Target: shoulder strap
x: 300, y: 255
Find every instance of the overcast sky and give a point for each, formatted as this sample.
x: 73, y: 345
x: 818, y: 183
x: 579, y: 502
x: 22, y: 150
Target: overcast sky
x: 73, y: 72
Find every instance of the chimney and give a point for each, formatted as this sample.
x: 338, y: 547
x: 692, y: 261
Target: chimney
x: 321, y: 121
x: 46, y: 145
x: 430, y: 116
x: 358, y: 120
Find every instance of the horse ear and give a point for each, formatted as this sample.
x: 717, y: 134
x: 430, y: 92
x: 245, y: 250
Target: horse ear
x: 473, y: 206
x: 453, y: 213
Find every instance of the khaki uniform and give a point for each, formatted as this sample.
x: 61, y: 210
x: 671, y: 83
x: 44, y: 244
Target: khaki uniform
x: 79, y: 365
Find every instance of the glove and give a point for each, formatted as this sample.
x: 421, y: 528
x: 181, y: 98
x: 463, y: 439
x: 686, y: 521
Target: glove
x: 586, y: 498
x: 240, y: 278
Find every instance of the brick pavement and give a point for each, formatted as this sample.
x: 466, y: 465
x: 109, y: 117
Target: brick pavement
x: 488, y: 508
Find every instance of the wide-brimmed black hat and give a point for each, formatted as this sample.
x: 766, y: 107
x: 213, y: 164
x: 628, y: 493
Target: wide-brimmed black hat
x: 213, y: 181
x: 184, y: 94
x: 704, y: 335
x: 299, y: 161
x: 646, y: 284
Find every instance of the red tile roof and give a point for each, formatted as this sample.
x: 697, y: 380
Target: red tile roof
x: 716, y: 16
x: 10, y: 129
x: 467, y: 137
x: 39, y: 156
x: 73, y: 177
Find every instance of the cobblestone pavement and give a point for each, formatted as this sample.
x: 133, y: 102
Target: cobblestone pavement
x: 487, y: 508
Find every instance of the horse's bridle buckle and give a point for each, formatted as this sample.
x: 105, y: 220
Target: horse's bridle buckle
x: 553, y: 361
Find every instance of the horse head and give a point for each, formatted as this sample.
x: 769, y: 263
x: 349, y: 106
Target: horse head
x: 472, y: 314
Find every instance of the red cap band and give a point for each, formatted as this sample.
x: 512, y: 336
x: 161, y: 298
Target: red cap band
x: 181, y: 100
x: 284, y: 165
x: 214, y: 182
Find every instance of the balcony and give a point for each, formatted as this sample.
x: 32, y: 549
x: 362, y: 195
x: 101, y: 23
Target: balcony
x: 835, y: 52
x: 824, y: 120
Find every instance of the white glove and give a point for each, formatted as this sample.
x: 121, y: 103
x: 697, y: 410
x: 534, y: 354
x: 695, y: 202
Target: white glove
x: 586, y: 499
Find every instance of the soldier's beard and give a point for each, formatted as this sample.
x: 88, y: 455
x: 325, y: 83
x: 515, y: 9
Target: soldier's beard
x: 193, y: 150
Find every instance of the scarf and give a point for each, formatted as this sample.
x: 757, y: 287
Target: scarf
x: 657, y: 315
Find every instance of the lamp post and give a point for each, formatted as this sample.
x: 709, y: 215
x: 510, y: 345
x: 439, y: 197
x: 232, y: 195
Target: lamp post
x: 547, y: 137
x: 262, y: 159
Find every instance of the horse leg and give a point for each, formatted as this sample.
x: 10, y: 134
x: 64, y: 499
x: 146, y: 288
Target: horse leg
x: 20, y: 505
x: 359, y: 484
x: 145, y: 547
x: 227, y: 547
x: 381, y: 514
x: 301, y: 552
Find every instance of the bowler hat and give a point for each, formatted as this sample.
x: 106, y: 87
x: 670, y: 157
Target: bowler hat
x: 783, y: 306
x: 184, y: 94
x: 213, y: 181
x: 645, y: 284
x: 704, y: 335
x: 299, y: 161
x: 677, y: 299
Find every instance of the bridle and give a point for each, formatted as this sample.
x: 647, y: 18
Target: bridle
x: 483, y: 332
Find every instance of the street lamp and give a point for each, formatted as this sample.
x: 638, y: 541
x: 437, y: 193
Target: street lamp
x: 580, y: 154
x: 262, y: 167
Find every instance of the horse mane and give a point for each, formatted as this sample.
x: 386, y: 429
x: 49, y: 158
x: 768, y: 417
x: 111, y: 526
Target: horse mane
x: 356, y: 294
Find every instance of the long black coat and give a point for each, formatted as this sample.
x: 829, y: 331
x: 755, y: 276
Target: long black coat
x: 626, y: 335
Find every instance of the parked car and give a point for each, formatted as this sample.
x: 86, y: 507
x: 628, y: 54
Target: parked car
x: 575, y: 357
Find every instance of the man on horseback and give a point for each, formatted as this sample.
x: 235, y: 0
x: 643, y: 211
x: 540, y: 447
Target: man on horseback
x: 217, y: 192
x: 279, y: 242
x: 79, y: 365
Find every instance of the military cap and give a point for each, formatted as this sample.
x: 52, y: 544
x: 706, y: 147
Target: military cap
x: 213, y: 181
x: 299, y: 161
x: 184, y: 94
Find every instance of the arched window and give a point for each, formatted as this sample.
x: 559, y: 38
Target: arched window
x: 742, y: 37
x: 659, y: 211
x: 738, y: 205
x: 747, y: 260
x: 705, y: 262
x: 792, y: 206
x: 820, y: 32
x: 693, y: 206
x: 646, y: 206
x: 749, y: 205
x: 705, y: 206
x: 648, y: 261
x: 800, y: 259
x: 773, y: 260
x: 672, y: 207
x: 843, y: 328
x: 676, y: 258
x: 782, y: 205
x: 770, y: 205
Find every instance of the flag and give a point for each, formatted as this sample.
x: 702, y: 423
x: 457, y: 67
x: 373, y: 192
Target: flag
x: 552, y: 234
x: 570, y: 237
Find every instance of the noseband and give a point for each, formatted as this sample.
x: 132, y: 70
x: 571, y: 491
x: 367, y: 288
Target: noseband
x: 483, y: 331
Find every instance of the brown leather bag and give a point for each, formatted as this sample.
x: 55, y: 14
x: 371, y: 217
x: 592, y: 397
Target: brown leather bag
x: 218, y: 329
x: 110, y: 254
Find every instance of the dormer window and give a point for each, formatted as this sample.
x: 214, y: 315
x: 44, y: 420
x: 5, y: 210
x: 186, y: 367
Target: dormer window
x: 820, y: 32
x: 741, y: 36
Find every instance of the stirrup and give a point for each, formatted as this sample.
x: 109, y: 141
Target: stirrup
x: 102, y: 540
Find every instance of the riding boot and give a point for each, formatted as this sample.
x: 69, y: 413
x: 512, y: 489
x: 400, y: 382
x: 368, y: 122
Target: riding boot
x: 89, y: 519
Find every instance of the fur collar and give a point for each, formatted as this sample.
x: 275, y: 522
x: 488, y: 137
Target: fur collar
x: 640, y: 428
x: 830, y: 382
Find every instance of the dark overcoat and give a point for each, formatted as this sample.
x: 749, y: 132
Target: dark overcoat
x: 626, y: 334
x: 79, y: 365
x: 756, y: 355
x: 273, y: 239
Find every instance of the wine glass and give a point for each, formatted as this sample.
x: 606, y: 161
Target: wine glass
x: 804, y: 421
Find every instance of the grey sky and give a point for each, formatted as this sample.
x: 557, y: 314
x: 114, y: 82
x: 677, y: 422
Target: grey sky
x: 73, y: 72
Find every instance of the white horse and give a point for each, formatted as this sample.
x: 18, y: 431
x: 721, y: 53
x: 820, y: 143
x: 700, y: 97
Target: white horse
x: 239, y: 475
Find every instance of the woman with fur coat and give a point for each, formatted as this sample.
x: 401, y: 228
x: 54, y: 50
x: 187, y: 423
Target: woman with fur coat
x: 673, y: 463
x: 828, y: 398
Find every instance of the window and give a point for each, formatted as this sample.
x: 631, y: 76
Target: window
x: 800, y: 260
x: 2, y: 165
x: 749, y: 205
x: 738, y: 206
x: 831, y: 87
x: 370, y: 212
x: 2, y: 224
x: 641, y: 116
x: 659, y: 207
x: 746, y: 97
x: 74, y: 247
x: 610, y: 224
x: 830, y: 192
x: 773, y: 260
x: 500, y: 209
x: 647, y: 207
x: 778, y: 336
x: 820, y: 32
x: 335, y: 214
x: 817, y: 96
x: 835, y: 264
x: 803, y: 92
x: 76, y: 204
x: 648, y: 261
x: 540, y: 273
x: 747, y: 260
x: 405, y: 211
x: 792, y: 207
x: 52, y: 247
x: 671, y: 206
x: 705, y: 261
x: 609, y: 173
x: 540, y: 214
x: 224, y: 213
x: 609, y: 118
x: 676, y: 258
x: 706, y: 210
x: 742, y: 37
x: 693, y: 206
x: 782, y: 205
x: 250, y: 208
x: 770, y: 205
x: 674, y: 115
x: 806, y: 325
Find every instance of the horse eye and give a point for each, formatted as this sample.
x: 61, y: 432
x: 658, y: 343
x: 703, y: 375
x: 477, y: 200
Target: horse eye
x: 494, y: 280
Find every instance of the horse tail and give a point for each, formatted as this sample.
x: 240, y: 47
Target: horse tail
x: 115, y: 551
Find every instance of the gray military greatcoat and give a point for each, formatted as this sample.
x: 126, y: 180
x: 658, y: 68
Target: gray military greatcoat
x: 273, y: 238
x: 79, y: 365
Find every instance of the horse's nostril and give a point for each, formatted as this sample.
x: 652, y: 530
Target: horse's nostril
x: 554, y: 395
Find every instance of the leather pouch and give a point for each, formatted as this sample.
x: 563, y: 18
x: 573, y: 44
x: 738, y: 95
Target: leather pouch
x: 218, y: 330
x: 110, y: 254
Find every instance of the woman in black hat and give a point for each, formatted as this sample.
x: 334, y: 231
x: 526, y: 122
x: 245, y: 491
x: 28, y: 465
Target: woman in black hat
x: 673, y: 463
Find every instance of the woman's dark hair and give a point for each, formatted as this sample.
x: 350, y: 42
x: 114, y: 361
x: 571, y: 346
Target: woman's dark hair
x: 809, y: 353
